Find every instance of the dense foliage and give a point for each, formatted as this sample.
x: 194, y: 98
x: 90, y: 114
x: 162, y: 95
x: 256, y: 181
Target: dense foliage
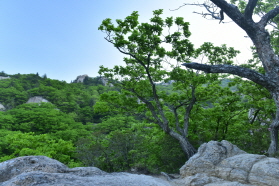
x: 196, y: 108
x: 67, y: 128
x: 121, y: 141
x: 50, y: 128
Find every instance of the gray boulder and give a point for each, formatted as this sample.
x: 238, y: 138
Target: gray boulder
x: 81, y: 78
x: 36, y: 99
x: 2, y: 108
x: 2, y: 77
x: 221, y: 163
x: 44, y: 171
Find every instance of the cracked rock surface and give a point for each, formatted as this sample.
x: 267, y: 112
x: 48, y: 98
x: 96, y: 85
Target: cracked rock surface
x: 44, y: 171
x: 215, y: 164
x: 222, y: 163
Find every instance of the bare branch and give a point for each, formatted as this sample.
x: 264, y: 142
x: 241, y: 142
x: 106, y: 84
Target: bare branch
x: 236, y: 70
x: 178, y: 7
x: 207, y: 14
x: 211, y: 9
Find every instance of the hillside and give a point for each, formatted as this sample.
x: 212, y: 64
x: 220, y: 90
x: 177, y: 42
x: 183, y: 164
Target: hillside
x: 41, y: 115
x: 72, y: 122
x: 67, y: 97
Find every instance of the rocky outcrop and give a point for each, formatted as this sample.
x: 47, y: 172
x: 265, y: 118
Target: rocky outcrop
x: 36, y: 99
x: 104, y: 81
x: 100, y: 79
x: 221, y: 163
x: 44, y: 171
x: 2, y: 108
x: 1, y: 77
x: 80, y: 78
x: 215, y: 164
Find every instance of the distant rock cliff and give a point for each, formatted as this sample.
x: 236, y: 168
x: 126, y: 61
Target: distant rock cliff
x: 1, y: 77
x: 92, y: 80
x: 2, y: 108
x: 80, y: 79
x: 36, y: 99
x: 105, y: 81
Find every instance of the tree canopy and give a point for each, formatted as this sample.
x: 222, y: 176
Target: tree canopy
x: 154, y: 55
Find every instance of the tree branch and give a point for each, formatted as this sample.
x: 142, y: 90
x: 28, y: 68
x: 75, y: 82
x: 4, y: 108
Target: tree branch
x: 268, y: 16
x: 233, y: 12
x: 236, y: 70
x: 178, y: 128
x: 249, y: 9
x: 211, y: 13
x: 255, y: 116
x: 188, y: 112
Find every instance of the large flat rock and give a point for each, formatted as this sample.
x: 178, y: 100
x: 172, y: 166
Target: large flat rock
x: 44, y: 171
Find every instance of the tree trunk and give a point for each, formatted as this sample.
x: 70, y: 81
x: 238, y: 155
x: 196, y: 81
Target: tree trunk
x: 273, y: 147
x: 186, y: 146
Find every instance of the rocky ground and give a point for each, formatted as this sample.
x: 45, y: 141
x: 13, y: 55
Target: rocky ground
x: 215, y: 164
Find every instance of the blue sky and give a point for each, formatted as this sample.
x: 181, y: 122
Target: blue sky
x: 60, y: 38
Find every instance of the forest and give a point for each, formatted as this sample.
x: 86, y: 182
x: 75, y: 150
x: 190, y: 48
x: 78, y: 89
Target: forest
x: 154, y: 112
x: 78, y: 128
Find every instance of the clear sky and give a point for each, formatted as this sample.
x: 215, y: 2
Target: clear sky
x: 60, y: 38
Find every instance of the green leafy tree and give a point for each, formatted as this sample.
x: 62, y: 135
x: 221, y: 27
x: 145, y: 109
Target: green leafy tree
x: 260, y: 110
x: 11, y: 93
x: 74, y: 98
x: 122, y: 143
x: 26, y: 144
x: 43, y: 118
x: 145, y: 45
x: 2, y: 73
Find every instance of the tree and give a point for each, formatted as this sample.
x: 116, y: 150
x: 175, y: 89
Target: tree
x: 15, y: 144
x: 122, y: 143
x: 261, y: 39
x: 145, y: 44
x: 259, y: 107
x: 2, y: 73
x: 43, y: 118
x: 44, y: 76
